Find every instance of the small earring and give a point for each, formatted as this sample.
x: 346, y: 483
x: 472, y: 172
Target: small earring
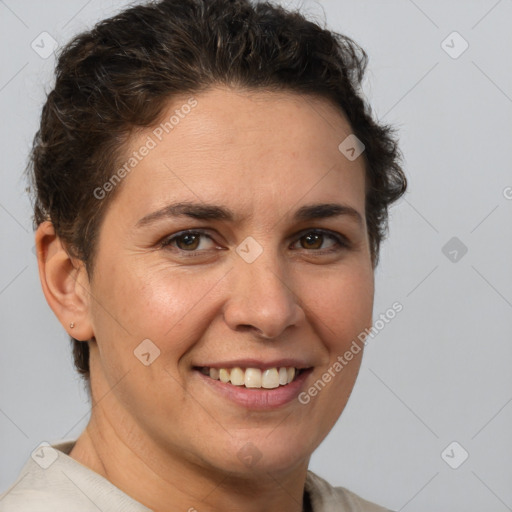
x: 71, y: 325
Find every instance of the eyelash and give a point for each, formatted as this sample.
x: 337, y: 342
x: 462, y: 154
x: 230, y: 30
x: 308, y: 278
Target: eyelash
x: 341, y: 242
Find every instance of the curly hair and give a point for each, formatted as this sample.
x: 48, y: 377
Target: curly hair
x: 121, y: 75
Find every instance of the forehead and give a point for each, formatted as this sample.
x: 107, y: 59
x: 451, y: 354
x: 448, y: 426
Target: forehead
x: 251, y: 148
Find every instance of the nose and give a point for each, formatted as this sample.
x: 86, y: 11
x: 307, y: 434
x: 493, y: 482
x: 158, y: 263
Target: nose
x: 261, y: 299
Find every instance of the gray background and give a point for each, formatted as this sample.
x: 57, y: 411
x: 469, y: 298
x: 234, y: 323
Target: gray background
x: 440, y: 371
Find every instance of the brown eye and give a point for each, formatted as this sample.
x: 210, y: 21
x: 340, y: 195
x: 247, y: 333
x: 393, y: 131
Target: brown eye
x: 323, y: 241
x: 312, y: 241
x: 188, y: 242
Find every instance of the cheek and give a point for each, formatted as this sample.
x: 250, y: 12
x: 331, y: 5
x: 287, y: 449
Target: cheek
x: 342, y: 305
x: 169, y: 306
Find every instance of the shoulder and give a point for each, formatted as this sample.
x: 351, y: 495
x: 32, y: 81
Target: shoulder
x: 326, y: 498
x: 51, y: 481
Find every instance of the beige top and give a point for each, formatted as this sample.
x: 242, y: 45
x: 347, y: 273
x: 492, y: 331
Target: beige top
x: 52, y: 481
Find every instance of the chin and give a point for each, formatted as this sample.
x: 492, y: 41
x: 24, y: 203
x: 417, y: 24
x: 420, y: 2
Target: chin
x: 269, y: 453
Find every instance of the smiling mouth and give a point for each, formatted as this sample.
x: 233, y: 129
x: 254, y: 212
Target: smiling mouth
x: 253, y: 378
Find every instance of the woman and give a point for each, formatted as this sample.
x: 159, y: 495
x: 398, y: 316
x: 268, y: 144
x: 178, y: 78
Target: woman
x: 210, y: 196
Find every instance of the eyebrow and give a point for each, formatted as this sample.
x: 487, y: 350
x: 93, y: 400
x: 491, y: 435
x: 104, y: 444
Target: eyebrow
x: 201, y: 211
x: 326, y: 210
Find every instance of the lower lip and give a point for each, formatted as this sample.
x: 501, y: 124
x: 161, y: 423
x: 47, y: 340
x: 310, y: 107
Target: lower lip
x: 258, y: 398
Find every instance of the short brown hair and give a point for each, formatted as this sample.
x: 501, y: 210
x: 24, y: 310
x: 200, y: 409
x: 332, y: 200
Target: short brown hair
x: 122, y: 73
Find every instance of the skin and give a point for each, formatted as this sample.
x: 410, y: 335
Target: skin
x: 158, y: 432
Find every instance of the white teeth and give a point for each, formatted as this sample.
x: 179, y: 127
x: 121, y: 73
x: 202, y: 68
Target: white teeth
x: 237, y: 376
x: 270, y: 378
x: 253, y: 378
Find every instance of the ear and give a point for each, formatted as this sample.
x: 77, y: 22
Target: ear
x: 65, y: 283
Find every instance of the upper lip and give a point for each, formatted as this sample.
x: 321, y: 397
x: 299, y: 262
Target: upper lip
x: 257, y: 363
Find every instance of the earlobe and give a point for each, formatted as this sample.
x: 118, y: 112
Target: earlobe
x: 64, y: 282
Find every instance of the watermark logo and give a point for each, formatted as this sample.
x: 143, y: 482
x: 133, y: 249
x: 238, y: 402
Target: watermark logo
x: 44, y: 45
x: 249, y: 454
x: 351, y: 147
x: 454, y: 249
x: 249, y: 250
x: 45, y: 455
x: 146, y: 352
x: 454, y: 455
x: 454, y: 45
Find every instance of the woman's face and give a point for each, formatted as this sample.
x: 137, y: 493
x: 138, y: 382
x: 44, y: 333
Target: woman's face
x: 238, y: 240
